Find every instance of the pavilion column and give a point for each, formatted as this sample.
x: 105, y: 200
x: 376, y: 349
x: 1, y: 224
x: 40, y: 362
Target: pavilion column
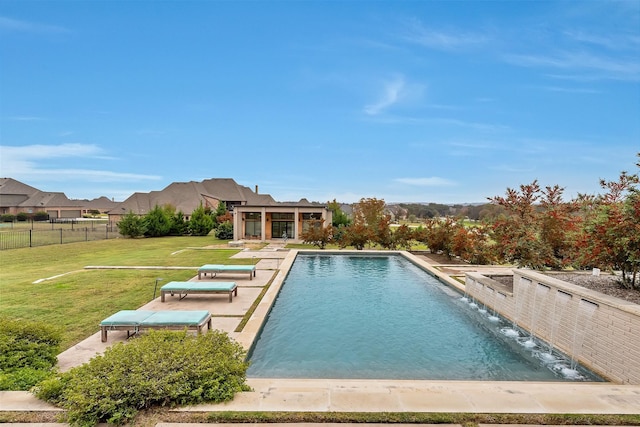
x: 296, y: 234
x: 263, y: 224
x: 237, y: 226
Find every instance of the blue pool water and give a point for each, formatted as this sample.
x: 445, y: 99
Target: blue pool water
x: 381, y: 317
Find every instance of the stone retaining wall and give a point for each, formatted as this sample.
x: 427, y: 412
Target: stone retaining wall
x: 599, y: 331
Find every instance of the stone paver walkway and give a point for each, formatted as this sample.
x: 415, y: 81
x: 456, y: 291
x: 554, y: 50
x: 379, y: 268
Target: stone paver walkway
x: 353, y: 395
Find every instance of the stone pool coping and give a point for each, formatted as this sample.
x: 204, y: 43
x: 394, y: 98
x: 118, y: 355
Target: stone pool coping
x: 337, y: 395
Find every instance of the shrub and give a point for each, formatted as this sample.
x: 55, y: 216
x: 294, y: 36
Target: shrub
x: 131, y: 225
x: 41, y: 216
x: 201, y: 222
x: 161, y: 368
x: 27, y: 352
x: 225, y: 231
x: 7, y: 218
x: 157, y: 223
x: 22, y: 379
x: 22, y: 216
x: 317, y: 235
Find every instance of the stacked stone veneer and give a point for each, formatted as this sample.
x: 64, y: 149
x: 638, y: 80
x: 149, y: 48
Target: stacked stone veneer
x: 599, y: 331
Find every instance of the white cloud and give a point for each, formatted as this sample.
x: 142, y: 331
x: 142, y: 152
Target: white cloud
x: 40, y: 151
x: 24, y: 118
x: 391, y: 94
x: 27, y: 163
x: 426, y: 182
x: 442, y: 40
x: 572, y: 90
x: 609, y: 68
x: 16, y: 25
x: 395, y: 92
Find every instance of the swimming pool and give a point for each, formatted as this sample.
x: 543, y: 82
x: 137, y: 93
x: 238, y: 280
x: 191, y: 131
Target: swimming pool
x: 381, y: 317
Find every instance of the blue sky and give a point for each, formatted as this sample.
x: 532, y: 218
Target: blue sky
x: 406, y: 101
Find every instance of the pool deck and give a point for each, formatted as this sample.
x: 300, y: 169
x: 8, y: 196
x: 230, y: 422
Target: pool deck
x: 339, y: 395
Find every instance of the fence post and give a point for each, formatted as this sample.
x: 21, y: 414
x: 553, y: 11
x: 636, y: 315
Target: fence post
x: 86, y: 234
x: 60, y: 235
x: 30, y: 242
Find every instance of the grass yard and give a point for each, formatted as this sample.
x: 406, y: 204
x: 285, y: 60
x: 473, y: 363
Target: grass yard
x: 77, y: 299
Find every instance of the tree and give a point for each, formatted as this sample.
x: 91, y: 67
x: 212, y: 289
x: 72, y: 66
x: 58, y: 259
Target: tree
x: 439, y: 232
x: 179, y: 225
x: 317, y: 234
x: 157, y: 222
x: 221, y: 210
x: 403, y: 237
x: 516, y: 232
x: 201, y: 223
x: 612, y: 222
x: 559, y: 224
x: 226, y: 217
x: 369, y: 215
x: 221, y: 215
x: 382, y: 234
x: 339, y: 218
x: 472, y: 245
x: 356, y: 235
x: 131, y: 225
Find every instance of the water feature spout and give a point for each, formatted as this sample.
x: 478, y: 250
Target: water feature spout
x: 584, y: 314
x: 539, y: 293
x: 559, y: 304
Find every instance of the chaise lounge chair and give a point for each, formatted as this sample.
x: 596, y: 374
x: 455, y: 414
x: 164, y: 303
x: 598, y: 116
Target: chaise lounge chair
x: 213, y: 269
x: 136, y: 320
x: 185, y: 288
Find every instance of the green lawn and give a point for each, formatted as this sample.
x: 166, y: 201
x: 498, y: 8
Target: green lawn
x: 77, y: 299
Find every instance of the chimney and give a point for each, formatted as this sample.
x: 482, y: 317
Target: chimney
x: 256, y: 189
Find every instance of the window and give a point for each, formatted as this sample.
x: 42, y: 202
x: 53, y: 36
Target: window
x: 253, y: 225
x: 311, y: 216
x: 282, y: 229
x: 282, y: 216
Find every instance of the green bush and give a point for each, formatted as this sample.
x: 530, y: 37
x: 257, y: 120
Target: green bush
x: 22, y: 216
x: 131, y: 225
x: 224, y: 231
x: 41, y: 216
x: 7, y: 218
x: 22, y: 378
x: 201, y: 222
x: 161, y: 368
x: 27, y: 352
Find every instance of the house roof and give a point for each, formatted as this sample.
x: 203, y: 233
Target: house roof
x: 14, y: 193
x: 101, y: 203
x: 50, y: 199
x: 17, y: 194
x: 303, y: 203
x: 187, y: 196
x: 9, y: 186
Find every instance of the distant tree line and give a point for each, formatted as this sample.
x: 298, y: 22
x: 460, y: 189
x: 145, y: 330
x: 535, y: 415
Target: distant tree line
x: 420, y: 211
x: 530, y: 227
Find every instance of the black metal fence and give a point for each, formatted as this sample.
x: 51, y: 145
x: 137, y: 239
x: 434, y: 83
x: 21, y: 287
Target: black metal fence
x: 15, y: 239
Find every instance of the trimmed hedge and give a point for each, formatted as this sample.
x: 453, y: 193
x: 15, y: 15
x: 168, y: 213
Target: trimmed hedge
x: 28, y: 352
x: 158, y: 369
x: 7, y: 218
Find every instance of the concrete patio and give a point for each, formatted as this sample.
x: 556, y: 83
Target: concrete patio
x: 337, y: 395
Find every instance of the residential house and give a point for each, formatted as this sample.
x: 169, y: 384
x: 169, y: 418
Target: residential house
x: 17, y: 197
x: 186, y: 197
x: 256, y: 216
